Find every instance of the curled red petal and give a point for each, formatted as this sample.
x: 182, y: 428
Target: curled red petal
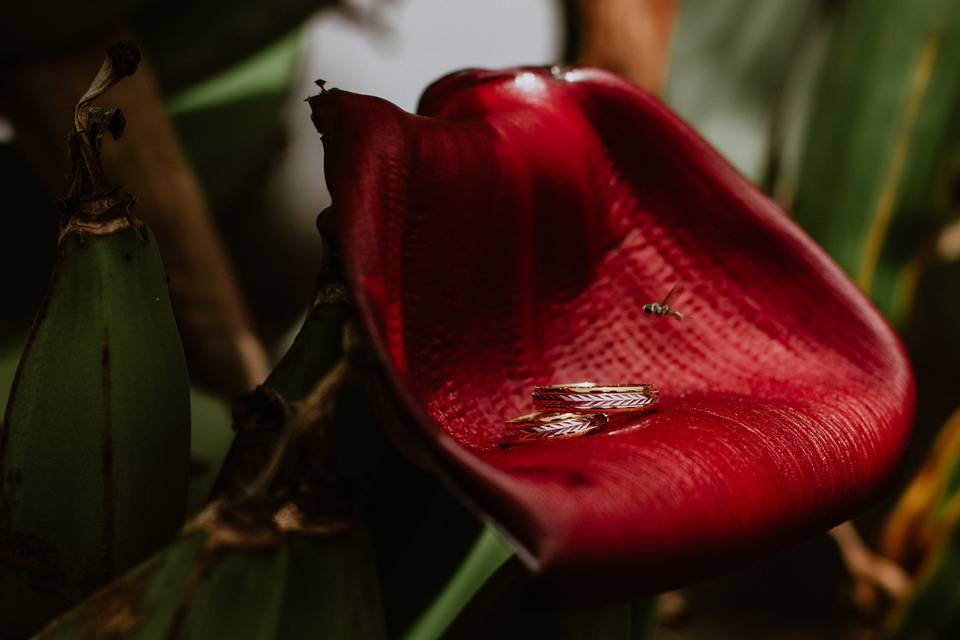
x: 509, y: 236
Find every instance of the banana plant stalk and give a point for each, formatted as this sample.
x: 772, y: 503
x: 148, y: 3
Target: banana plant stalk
x: 282, y: 559
x: 37, y: 97
x: 95, y: 442
x: 260, y: 416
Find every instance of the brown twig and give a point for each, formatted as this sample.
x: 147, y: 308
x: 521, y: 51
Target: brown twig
x: 874, y: 576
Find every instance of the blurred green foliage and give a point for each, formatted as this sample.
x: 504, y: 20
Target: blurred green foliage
x: 875, y: 180
x: 933, y: 610
x: 284, y: 589
x: 189, y: 42
x: 233, y: 127
x: 875, y: 188
x: 731, y: 64
x: 229, y: 121
x: 868, y: 164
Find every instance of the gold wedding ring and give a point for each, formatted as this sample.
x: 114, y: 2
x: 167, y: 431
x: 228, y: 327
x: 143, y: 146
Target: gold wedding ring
x: 588, y: 396
x: 541, y: 425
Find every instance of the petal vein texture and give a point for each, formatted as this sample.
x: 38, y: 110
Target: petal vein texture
x: 509, y: 235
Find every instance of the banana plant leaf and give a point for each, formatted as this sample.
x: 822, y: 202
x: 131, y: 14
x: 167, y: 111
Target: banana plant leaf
x: 231, y: 124
x: 189, y: 42
x: 210, y: 437
x: 263, y: 585
x: 510, y: 235
x: 730, y: 63
x: 873, y: 186
x: 233, y: 127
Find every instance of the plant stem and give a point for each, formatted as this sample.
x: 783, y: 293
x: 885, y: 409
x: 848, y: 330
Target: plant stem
x: 314, y: 412
x: 488, y: 554
x: 449, y: 615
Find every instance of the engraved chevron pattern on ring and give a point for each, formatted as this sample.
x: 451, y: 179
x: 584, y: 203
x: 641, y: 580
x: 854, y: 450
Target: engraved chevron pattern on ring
x: 588, y: 396
x: 541, y: 425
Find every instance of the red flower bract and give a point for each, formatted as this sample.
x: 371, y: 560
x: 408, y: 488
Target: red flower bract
x: 509, y: 236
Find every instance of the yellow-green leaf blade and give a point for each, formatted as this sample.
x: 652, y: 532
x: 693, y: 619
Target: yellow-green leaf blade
x: 882, y: 126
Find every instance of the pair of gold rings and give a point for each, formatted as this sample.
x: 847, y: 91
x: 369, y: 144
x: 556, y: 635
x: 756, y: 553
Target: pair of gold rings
x: 572, y: 410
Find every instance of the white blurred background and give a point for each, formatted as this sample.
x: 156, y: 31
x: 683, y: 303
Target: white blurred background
x: 408, y: 45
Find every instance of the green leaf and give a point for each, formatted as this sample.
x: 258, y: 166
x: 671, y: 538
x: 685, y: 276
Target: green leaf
x: 874, y: 189
x: 138, y: 605
x: 488, y: 597
x: 210, y: 436
x: 231, y: 124
x: 301, y: 585
x: 488, y: 554
x: 730, y: 62
x: 872, y: 184
x: 189, y: 41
